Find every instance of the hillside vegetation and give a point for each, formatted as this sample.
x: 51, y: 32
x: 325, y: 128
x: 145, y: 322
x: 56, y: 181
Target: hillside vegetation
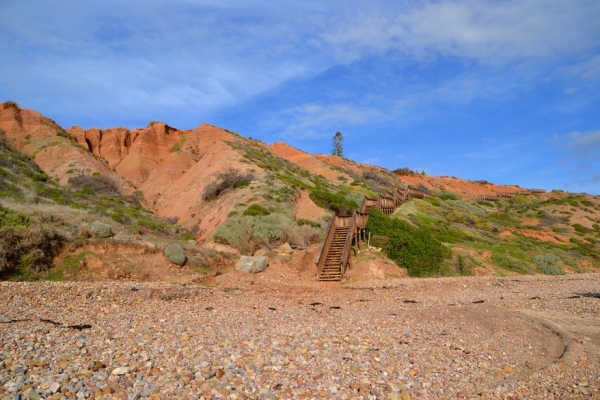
x: 158, y: 186
x: 548, y: 233
x: 41, y: 220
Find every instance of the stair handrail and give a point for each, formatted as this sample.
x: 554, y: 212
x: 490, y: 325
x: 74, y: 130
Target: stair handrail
x: 348, y: 244
x: 328, y: 238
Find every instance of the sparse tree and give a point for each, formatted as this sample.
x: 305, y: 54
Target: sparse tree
x: 338, y: 149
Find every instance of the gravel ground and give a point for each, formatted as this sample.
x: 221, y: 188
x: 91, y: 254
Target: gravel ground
x: 524, y: 337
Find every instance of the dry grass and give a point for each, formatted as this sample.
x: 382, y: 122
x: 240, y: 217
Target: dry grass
x: 301, y: 236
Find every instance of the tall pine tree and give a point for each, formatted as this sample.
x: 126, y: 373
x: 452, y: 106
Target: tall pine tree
x: 338, y: 149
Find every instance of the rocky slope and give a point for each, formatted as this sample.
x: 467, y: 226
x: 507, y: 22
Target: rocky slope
x: 174, y: 169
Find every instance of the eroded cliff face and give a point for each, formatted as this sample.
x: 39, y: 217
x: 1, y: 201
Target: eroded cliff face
x: 52, y: 148
x: 171, y: 167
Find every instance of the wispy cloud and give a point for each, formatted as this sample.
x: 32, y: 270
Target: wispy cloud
x: 485, y: 31
x: 581, y: 145
x: 315, y: 120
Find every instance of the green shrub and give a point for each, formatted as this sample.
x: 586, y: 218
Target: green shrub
x: 415, y: 249
x: 510, y: 263
x: 36, y: 177
x: 471, y: 208
x: 447, y: 196
x: 242, y: 183
x: 332, y: 201
x: 519, y: 199
x: 303, y: 221
x: 175, y: 254
x: 248, y: 233
x: 433, y: 201
x: 9, y: 104
x: 256, y: 209
x: 155, y: 226
x: 96, y: 173
x: 67, y: 135
x: 581, y: 229
x: 26, y: 252
x: 13, y: 219
x: 187, y: 236
x: 549, y: 264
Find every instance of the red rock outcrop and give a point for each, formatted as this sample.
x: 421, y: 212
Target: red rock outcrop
x: 52, y: 148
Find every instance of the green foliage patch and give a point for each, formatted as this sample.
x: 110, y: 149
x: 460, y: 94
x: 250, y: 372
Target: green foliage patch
x: 333, y: 201
x: 256, y: 209
x: 414, y: 248
x: 550, y: 264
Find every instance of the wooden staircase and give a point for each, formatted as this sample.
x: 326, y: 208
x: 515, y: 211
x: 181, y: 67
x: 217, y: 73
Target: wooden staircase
x: 332, y: 270
x: 346, y: 230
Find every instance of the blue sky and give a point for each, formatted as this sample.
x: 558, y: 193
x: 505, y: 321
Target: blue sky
x: 501, y: 90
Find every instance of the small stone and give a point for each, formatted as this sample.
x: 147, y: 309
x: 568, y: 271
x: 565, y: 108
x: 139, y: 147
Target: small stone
x: 33, y: 395
x: 223, y: 392
x: 392, y: 387
x: 583, y: 384
x: 355, y: 368
x: 219, y: 373
x: 285, y: 249
x: 97, y: 365
x: 404, y: 395
x: 207, y: 374
x: 54, y: 387
x: 507, y: 369
x: 252, y: 264
x: 262, y: 252
x: 120, y: 371
x: 529, y: 364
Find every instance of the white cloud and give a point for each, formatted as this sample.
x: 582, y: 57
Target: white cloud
x: 487, y: 31
x: 315, y: 120
x: 581, y: 145
x: 589, y: 69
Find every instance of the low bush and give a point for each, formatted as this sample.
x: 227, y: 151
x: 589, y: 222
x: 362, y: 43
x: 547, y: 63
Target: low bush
x: 415, y: 249
x: 549, y: 264
x: 301, y: 236
x: 228, y: 178
x: 581, y: 229
x: 404, y: 171
x: 97, y: 184
x: 27, y: 252
x: 9, y: 104
x: 256, y: 209
x: 65, y: 134
x: 248, y: 233
x: 447, y: 196
x: 332, y: 201
x: 303, y: 221
x: 549, y: 220
x: 13, y: 219
x: 510, y: 263
x: 377, y: 178
x: 471, y: 208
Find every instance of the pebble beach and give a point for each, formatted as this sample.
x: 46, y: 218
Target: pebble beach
x: 518, y: 337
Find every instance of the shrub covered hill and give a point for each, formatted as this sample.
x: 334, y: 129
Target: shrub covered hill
x: 210, y: 188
